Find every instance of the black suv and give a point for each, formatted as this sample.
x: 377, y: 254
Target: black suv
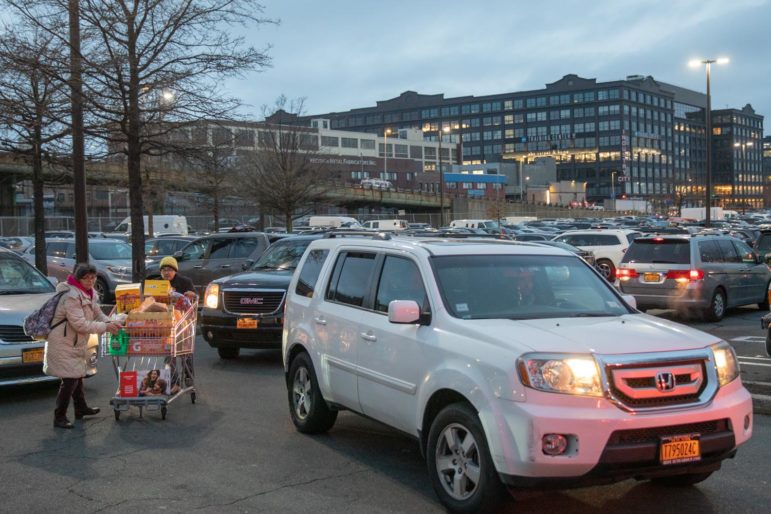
x: 211, y: 257
x: 246, y: 310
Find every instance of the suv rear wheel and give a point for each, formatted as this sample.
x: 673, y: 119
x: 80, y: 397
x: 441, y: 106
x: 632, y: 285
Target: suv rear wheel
x: 459, y: 463
x: 310, y: 412
x: 716, y: 308
x: 607, y: 269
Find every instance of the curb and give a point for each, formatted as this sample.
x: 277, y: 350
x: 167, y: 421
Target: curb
x: 761, y: 396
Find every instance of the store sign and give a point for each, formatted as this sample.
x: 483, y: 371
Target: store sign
x: 348, y: 162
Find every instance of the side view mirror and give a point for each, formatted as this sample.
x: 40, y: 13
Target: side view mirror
x: 178, y: 255
x: 53, y: 280
x: 630, y: 300
x: 247, y: 264
x: 407, y: 312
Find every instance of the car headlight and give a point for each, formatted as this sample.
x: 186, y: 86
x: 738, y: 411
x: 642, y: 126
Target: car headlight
x: 726, y: 365
x: 118, y: 270
x: 211, y: 297
x: 560, y: 373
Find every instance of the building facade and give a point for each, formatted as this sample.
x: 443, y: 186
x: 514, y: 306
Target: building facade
x: 646, y: 136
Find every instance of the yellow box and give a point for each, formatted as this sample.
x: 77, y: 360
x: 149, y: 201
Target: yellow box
x: 127, y: 297
x: 157, y: 288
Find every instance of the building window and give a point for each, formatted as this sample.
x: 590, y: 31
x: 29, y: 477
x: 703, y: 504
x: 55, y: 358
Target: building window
x: 367, y: 144
x: 401, y: 151
x: 349, y: 142
x: 330, y: 141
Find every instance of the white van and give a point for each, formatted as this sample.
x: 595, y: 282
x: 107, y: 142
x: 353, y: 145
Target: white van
x: 516, y: 220
x: 376, y: 183
x: 333, y: 221
x: 162, y: 224
x: 386, y: 224
x: 474, y: 224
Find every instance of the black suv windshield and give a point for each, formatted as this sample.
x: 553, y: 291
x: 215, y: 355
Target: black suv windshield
x: 283, y: 255
x: 659, y: 250
x: 523, y: 287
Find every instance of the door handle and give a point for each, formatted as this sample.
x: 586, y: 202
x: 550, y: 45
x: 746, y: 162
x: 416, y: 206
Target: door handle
x: 197, y: 267
x: 369, y: 336
x: 320, y: 321
x: 225, y: 266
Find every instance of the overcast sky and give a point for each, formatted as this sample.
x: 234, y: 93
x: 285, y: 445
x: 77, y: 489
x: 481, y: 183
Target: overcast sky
x: 345, y: 54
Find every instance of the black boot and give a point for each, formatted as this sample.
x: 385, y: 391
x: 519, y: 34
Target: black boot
x: 88, y: 411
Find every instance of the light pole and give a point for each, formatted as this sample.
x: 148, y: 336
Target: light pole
x: 708, y: 115
x: 385, y: 153
x: 613, y: 188
x: 442, y: 131
x: 743, y: 146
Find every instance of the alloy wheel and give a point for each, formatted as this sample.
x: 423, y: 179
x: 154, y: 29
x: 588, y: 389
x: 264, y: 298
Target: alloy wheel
x: 301, y: 393
x: 457, y: 462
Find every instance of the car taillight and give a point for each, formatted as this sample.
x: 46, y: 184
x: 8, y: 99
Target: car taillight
x: 626, y: 273
x: 685, y: 275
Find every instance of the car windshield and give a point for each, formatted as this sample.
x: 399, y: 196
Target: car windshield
x: 523, y: 287
x: 18, y: 277
x: 109, y: 251
x: 284, y: 255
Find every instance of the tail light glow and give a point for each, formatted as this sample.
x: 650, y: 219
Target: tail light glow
x: 626, y: 274
x: 685, y: 275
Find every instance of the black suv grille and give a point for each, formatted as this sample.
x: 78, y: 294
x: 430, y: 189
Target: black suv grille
x: 652, y: 435
x: 253, y: 302
x: 14, y: 334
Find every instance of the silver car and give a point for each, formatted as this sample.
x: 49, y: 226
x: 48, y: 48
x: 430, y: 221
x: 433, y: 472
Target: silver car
x: 22, y: 290
x: 703, y: 273
x: 112, y: 259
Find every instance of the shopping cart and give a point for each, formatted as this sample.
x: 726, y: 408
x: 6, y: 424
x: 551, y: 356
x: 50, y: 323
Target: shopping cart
x: 160, y: 345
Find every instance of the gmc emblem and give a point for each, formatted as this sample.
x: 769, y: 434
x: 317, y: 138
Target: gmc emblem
x: 251, y: 301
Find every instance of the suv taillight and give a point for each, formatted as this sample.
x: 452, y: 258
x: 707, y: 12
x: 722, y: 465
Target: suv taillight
x: 626, y: 273
x: 685, y: 275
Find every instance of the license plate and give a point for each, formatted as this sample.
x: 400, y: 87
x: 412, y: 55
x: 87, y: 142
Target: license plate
x: 651, y: 277
x: 32, y: 355
x: 246, y: 323
x: 680, y: 449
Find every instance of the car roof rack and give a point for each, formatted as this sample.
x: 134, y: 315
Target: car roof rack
x: 357, y: 233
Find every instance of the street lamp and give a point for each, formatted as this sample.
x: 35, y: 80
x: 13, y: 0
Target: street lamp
x: 385, y: 153
x: 743, y: 146
x: 613, y: 188
x: 708, y: 64
x: 446, y: 130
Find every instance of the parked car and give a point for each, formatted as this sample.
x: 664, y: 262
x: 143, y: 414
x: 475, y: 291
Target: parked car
x: 513, y: 365
x: 17, y: 243
x: 608, y: 246
x: 22, y: 290
x: 159, y: 247
x: 586, y: 255
x: 112, y: 259
x: 217, y: 255
x: 246, y: 310
x: 704, y: 273
x: 66, y: 234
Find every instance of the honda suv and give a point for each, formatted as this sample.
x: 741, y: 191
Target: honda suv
x: 514, y: 365
x: 703, y: 273
x: 608, y: 246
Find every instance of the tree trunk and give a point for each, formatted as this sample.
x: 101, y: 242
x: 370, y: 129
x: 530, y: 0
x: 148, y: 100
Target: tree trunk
x: 78, y: 145
x: 41, y: 261
x: 288, y: 218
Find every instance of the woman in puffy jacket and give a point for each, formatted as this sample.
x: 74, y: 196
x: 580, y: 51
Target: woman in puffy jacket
x: 66, y: 348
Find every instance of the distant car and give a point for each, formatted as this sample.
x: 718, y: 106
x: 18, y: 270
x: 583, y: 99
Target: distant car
x: 17, y: 243
x: 217, y: 255
x: 375, y: 183
x: 112, y: 259
x: 608, y: 246
x: 60, y: 233
x: 245, y: 310
x: 168, y: 245
x: 703, y: 273
x: 586, y: 255
x: 22, y: 290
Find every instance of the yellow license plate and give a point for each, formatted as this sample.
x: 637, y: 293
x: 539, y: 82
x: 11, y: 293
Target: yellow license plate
x: 246, y: 323
x: 651, y: 277
x: 680, y: 449
x: 32, y: 355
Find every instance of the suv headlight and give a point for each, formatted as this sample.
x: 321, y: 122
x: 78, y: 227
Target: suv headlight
x: 118, y: 270
x: 726, y: 365
x: 211, y: 298
x: 560, y: 373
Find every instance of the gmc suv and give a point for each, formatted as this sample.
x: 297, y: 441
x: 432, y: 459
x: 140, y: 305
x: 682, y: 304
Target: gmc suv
x: 513, y: 365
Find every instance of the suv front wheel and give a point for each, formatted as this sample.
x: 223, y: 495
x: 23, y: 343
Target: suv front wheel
x: 310, y: 412
x: 459, y: 463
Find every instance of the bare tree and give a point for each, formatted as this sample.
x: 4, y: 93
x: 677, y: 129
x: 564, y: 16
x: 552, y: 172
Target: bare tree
x: 287, y: 175
x: 33, y: 105
x: 136, y: 50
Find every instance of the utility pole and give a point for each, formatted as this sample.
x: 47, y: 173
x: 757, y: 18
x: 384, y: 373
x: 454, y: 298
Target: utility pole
x: 78, y: 145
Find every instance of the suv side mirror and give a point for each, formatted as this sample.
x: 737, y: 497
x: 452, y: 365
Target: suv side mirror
x: 247, y: 264
x: 630, y: 300
x: 404, y: 312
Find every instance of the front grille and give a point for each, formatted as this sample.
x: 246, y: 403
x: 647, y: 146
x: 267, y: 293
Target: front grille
x: 636, y: 385
x: 654, y: 434
x: 14, y: 334
x: 245, y: 301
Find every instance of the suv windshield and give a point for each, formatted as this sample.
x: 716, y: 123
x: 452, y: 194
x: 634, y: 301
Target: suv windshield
x: 282, y: 255
x: 17, y: 277
x: 523, y: 287
x: 659, y: 250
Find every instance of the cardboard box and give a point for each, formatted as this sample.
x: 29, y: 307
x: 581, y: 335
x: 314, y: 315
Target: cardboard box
x: 158, y: 289
x: 127, y: 297
x: 128, y: 384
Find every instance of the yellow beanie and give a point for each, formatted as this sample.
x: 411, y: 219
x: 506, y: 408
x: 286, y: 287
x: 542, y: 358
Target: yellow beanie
x: 170, y: 262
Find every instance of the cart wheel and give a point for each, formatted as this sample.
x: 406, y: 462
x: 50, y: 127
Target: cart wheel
x: 192, y: 396
x: 163, y: 412
x: 117, y: 414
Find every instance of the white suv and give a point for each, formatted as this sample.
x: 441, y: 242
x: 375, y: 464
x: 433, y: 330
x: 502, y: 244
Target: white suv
x: 514, y: 365
x: 608, y: 246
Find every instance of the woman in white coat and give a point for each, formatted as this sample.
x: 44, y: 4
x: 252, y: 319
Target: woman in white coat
x: 66, y: 348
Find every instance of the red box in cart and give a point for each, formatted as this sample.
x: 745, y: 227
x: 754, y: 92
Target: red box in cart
x: 128, y: 383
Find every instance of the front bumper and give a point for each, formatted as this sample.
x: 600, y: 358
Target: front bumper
x: 220, y: 329
x: 607, y: 443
